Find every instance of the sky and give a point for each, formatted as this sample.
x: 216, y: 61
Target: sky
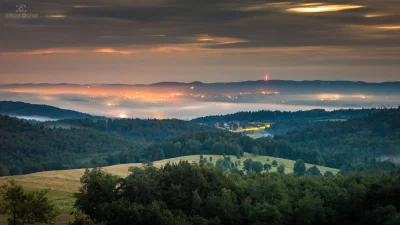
x: 148, y: 41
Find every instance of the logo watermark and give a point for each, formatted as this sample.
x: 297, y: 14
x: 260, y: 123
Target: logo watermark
x: 21, y: 13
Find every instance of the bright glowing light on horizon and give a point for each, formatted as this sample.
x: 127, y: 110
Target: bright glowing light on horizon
x: 360, y: 96
x: 122, y: 115
x: 266, y: 77
x: 331, y: 97
x: 175, y: 94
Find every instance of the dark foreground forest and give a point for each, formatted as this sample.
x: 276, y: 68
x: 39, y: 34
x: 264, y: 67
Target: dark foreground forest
x: 200, y: 195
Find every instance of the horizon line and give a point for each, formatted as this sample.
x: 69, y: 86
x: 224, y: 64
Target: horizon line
x: 198, y: 82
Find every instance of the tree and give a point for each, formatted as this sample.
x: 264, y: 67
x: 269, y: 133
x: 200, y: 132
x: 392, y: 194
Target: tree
x: 255, y: 150
x: 81, y: 220
x: 274, y: 163
x: 203, y: 161
x: 98, y: 187
x: 26, y: 208
x: 267, y: 167
x: 177, y: 146
x: 161, y: 154
x: 314, y: 171
x: 247, y: 164
x: 395, y: 220
x: 196, y: 202
x: 218, y: 148
x: 328, y: 174
x: 281, y: 169
x: 220, y: 163
x: 238, y: 156
x: 299, y: 167
x: 113, y: 159
x: 265, y: 214
x: 380, y: 215
x: 4, y: 172
x: 257, y: 166
x: 310, y: 210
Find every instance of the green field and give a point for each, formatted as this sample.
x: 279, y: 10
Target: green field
x: 63, y: 183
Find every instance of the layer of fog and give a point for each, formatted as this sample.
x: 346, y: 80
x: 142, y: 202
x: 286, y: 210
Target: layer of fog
x: 182, y: 108
x: 393, y: 159
x: 37, y: 118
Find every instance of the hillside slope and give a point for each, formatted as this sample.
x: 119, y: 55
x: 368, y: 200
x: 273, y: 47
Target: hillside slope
x: 27, y: 148
x: 62, y: 184
x: 67, y: 144
x: 363, y: 139
x: 68, y: 180
x: 44, y: 111
x: 151, y: 130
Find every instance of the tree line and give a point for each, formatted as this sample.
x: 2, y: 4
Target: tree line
x: 192, y: 194
x: 268, y: 115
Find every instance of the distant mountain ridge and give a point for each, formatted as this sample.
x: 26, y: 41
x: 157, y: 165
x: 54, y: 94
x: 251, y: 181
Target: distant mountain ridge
x: 211, y: 83
x: 29, y: 110
x: 282, y: 86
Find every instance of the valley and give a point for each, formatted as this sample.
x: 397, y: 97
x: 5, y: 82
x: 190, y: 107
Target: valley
x: 52, y: 155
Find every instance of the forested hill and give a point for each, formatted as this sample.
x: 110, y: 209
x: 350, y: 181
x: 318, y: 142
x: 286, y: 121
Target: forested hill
x: 27, y: 148
x: 356, y: 144
x: 267, y: 115
x: 218, y: 142
x: 362, y: 143
x: 357, y: 139
x: 35, y: 110
x: 151, y: 130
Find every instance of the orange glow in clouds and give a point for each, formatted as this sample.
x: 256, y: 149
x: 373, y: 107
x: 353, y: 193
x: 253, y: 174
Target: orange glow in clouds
x: 321, y: 8
x: 111, y: 50
x: 110, y: 96
x: 69, y: 51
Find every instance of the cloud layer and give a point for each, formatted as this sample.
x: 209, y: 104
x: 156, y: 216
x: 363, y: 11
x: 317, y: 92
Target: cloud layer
x: 234, y: 40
